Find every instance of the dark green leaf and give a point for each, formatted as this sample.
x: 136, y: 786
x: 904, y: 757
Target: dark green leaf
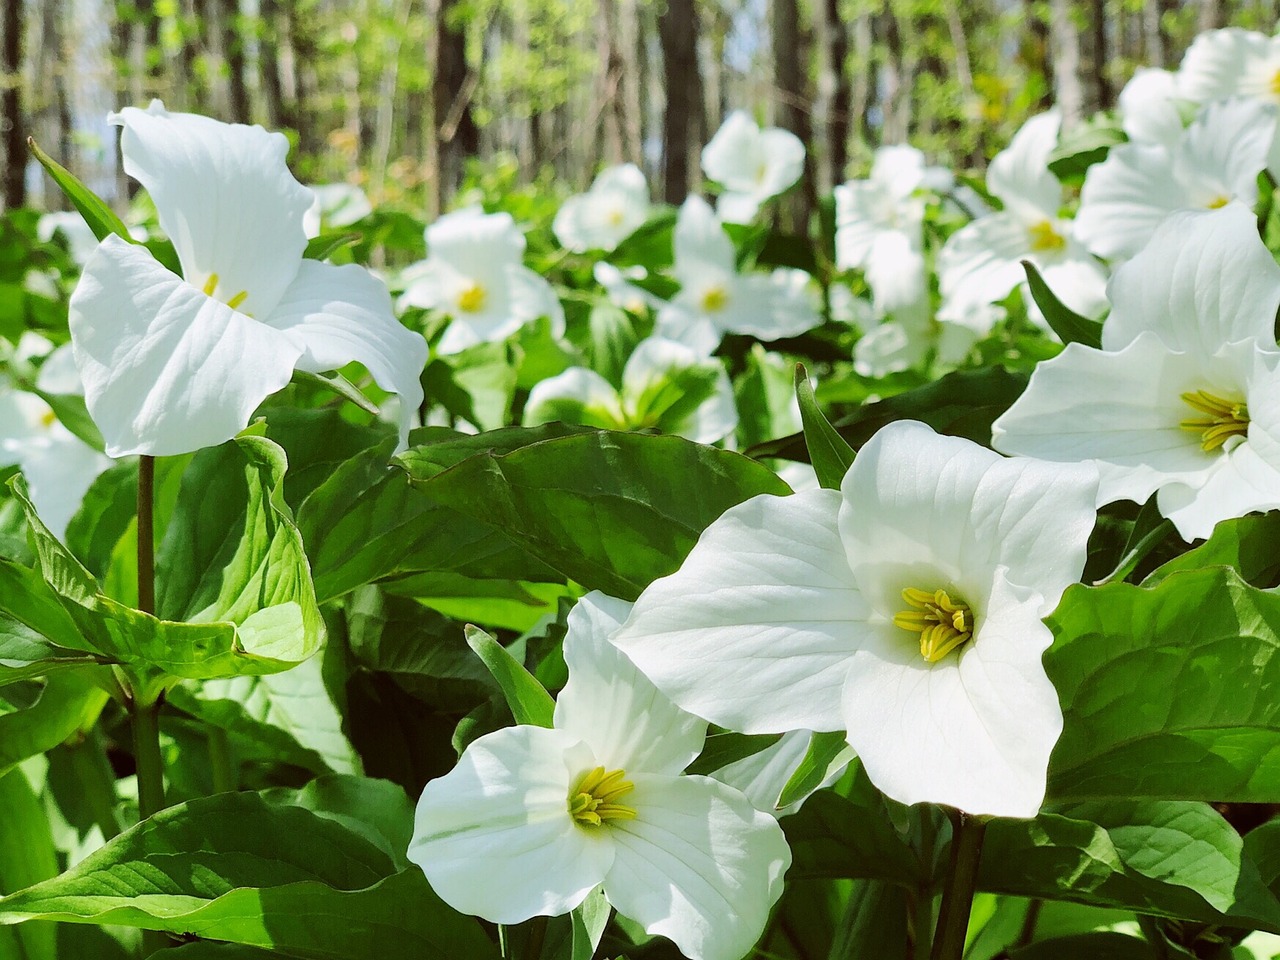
x: 726, y: 747
x: 1095, y: 946
x: 1067, y: 324
x: 528, y: 700
x: 826, y: 752
x: 27, y: 856
x: 1246, y: 544
x: 325, y: 245
x: 830, y: 455
x: 69, y: 702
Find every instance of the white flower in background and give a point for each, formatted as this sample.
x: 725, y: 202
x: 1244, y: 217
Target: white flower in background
x: 1233, y: 62
x: 909, y: 339
x: 1183, y: 399
x: 608, y: 213
x: 58, y: 465
x: 532, y: 819
x: 665, y: 385
x: 880, y: 226
x: 1216, y: 160
x: 172, y: 364
x: 904, y: 609
x: 622, y: 292
x: 335, y: 205
x: 80, y: 239
x: 715, y: 299
x: 1151, y: 110
x: 752, y: 165
x: 475, y: 273
x: 982, y: 261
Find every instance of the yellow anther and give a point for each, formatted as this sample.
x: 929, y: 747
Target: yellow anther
x: 1222, y: 420
x: 595, y: 798
x: 1275, y: 84
x: 1045, y: 238
x: 1218, y: 202
x: 714, y: 299
x: 211, y: 285
x: 472, y: 298
x: 762, y: 172
x: 238, y: 299
x: 48, y: 419
x: 614, y: 217
x: 943, y: 623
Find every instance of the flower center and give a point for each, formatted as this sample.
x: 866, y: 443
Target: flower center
x: 211, y: 285
x: 614, y: 217
x: 1222, y: 418
x: 714, y: 298
x: 943, y: 623
x: 595, y: 798
x: 472, y: 298
x: 1044, y: 238
x: 48, y: 419
x: 1274, y: 86
x: 1218, y: 202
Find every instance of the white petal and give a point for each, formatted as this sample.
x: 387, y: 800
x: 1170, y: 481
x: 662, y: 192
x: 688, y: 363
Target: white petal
x: 654, y: 361
x: 609, y: 705
x: 532, y: 297
x: 900, y: 168
x: 60, y: 468
x: 676, y: 321
x: 1019, y: 175
x: 1075, y: 277
x: 700, y: 243
x: 343, y: 314
x: 784, y: 158
x: 979, y: 263
x: 1121, y: 410
x: 735, y: 156
x: 919, y: 508
x: 166, y: 369
x: 1125, y: 197
x: 973, y: 730
x: 1205, y: 279
x: 225, y: 198
x: 735, y: 207
x: 1149, y: 107
x: 494, y: 835
x: 762, y: 776
x: 1224, y: 150
x: 1217, y: 62
x: 475, y: 243
x: 754, y: 630
x: 896, y: 271
x: 58, y: 373
x: 698, y: 865
x: 588, y: 397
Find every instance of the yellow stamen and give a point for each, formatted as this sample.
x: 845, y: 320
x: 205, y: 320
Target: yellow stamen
x: 238, y: 299
x: 1222, y: 420
x: 472, y: 298
x: 943, y: 623
x: 1044, y: 238
x: 714, y: 299
x: 595, y: 798
x: 614, y: 217
x: 1275, y: 84
x: 48, y: 419
x: 1221, y: 200
x: 211, y: 285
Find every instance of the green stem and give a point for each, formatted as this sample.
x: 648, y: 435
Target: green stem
x: 222, y: 762
x: 146, y: 535
x: 957, y: 897
x: 1028, y: 931
x: 921, y: 923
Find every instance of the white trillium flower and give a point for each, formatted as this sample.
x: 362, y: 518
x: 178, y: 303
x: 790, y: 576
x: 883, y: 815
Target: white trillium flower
x: 1183, y: 399
x: 1216, y: 160
x: 880, y: 226
x: 475, y: 273
x: 751, y: 164
x: 335, y: 205
x: 1151, y: 108
x: 172, y: 364
x: 58, y: 465
x: 622, y: 292
x: 715, y: 299
x: 608, y: 213
x: 665, y: 385
x: 982, y: 261
x: 904, y: 609
x: 908, y: 339
x: 533, y: 819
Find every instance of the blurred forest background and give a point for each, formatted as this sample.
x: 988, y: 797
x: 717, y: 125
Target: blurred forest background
x: 397, y: 96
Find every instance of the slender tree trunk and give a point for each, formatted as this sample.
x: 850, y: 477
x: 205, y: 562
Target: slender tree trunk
x: 678, y: 32
x: 457, y: 136
x: 1211, y: 15
x: 269, y: 66
x: 630, y: 90
x: 239, y: 108
x: 1037, y: 52
x: 1068, y: 90
x: 861, y: 91
x: 1105, y: 90
x: 12, y: 106
x: 793, y: 105
x: 1156, y: 40
x: 834, y: 95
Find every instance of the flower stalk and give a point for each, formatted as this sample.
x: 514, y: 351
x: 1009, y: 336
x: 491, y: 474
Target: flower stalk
x: 957, y: 897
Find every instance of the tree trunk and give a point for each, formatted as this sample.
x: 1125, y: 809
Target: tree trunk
x: 861, y: 90
x: 11, y: 105
x: 1211, y: 15
x: 239, y: 108
x: 834, y: 95
x: 793, y: 106
x: 457, y: 136
x: 1156, y: 41
x: 1068, y: 90
x: 1103, y: 87
x: 678, y: 33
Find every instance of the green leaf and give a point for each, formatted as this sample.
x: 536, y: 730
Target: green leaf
x: 337, y: 383
x: 726, y: 747
x: 1067, y: 324
x: 613, y: 338
x: 325, y: 245
x: 1167, y: 690
x: 231, y: 867
x: 1088, y: 143
x: 27, y: 856
x: 589, y: 919
x: 827, y: 752
x: 961, y: 404
x: 528, y: 700
x: 613, y: 511
x: 1095, y: 946
x: 108, y: 509
x: 70, y: 702
x: 1158, y: 857
x: 71, y: 412
x: 100, y: 217
x: 874, y: 923
x: 1246, y: 544
x: 830, y: 455
x: 377, y: 810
